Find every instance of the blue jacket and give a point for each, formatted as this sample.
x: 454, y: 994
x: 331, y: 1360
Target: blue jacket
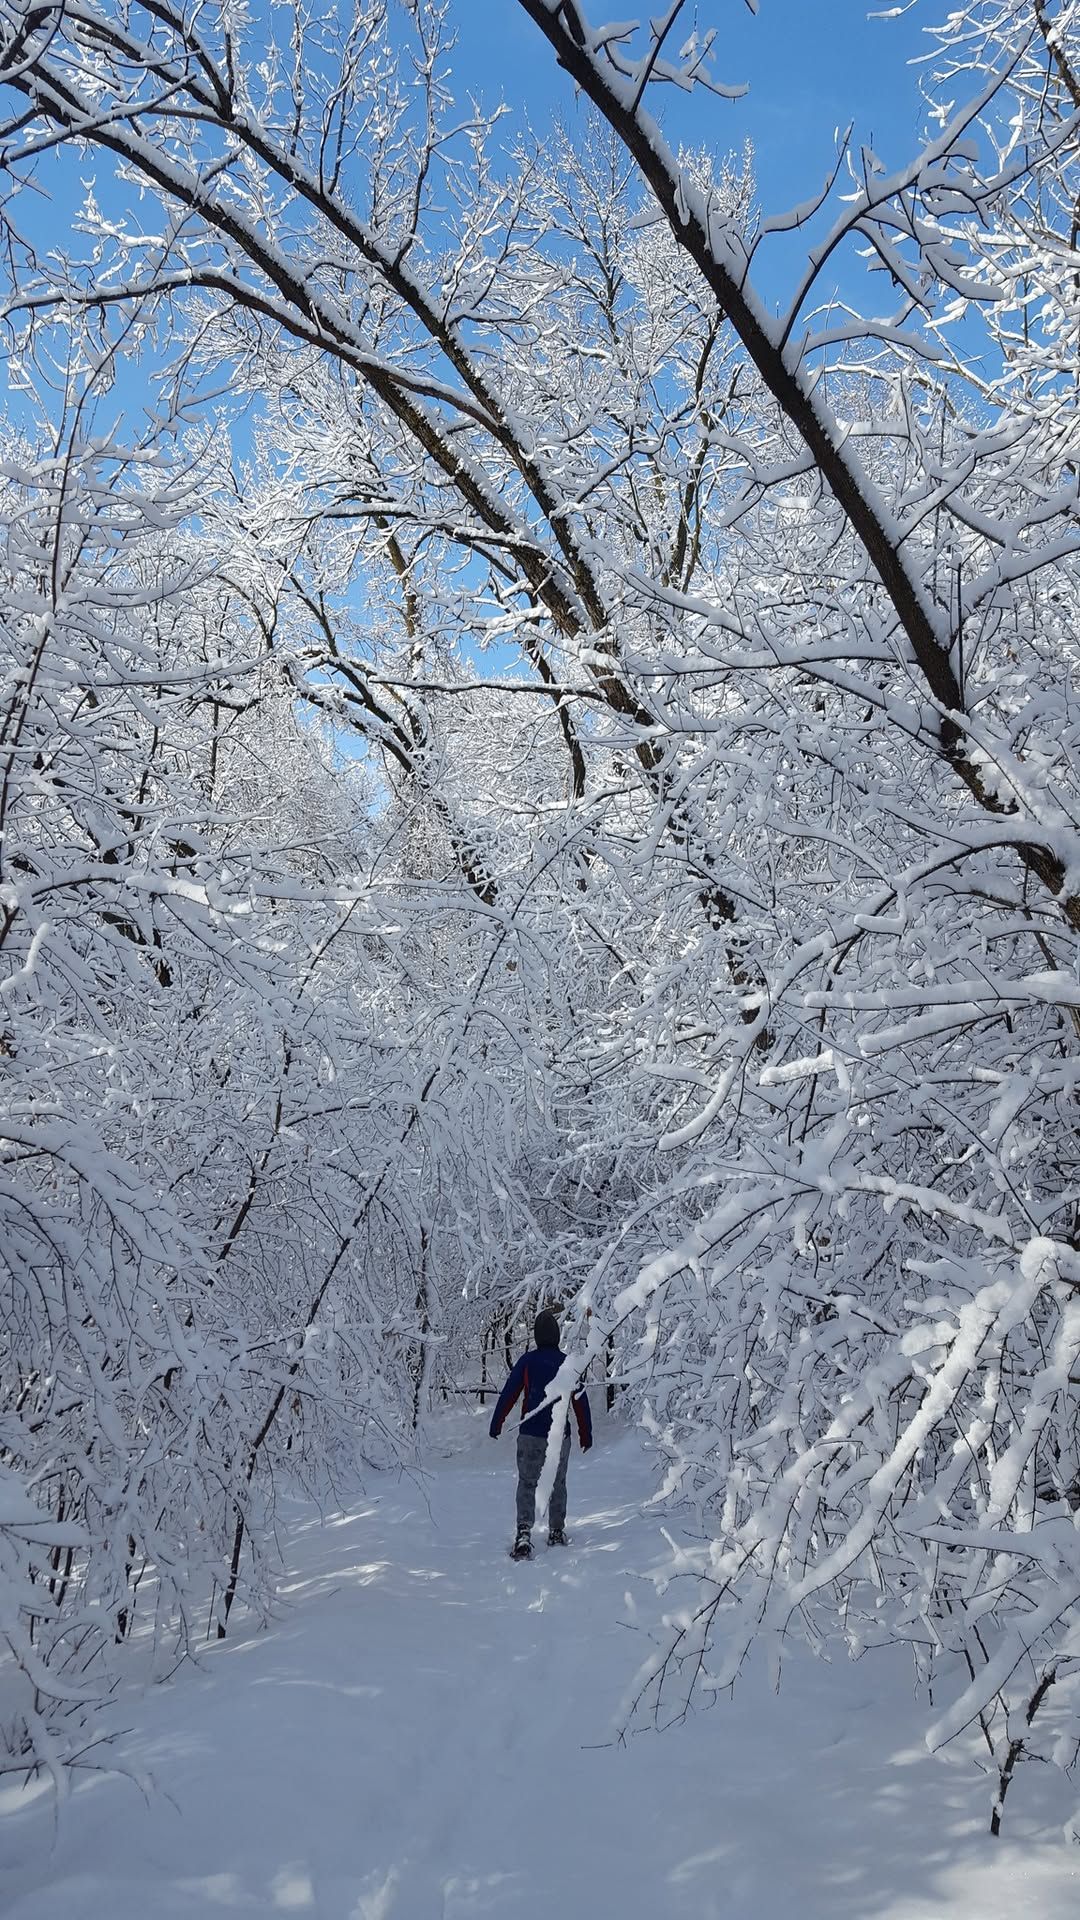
x: 532, y: 1375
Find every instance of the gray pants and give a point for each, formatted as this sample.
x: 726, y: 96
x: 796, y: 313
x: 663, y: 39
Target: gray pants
x: 531, y: 1450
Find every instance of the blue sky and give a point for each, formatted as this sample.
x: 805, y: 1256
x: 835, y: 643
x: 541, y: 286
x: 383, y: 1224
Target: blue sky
x: 811, y: 65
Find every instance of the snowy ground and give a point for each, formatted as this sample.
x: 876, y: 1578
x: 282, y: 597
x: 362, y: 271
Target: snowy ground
x: 421, y: 1737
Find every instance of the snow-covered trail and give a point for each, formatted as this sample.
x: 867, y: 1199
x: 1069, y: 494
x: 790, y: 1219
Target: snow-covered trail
x: 421, y: 1736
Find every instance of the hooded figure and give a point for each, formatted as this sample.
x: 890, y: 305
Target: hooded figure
x: 529, y: 1380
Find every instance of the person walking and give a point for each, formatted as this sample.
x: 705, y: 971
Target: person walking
x: 529, y: 1380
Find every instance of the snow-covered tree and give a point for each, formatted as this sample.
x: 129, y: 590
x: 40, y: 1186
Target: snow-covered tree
x: 697, y: 937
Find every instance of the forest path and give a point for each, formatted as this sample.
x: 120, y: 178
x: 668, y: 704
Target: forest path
x: 421, y: 1736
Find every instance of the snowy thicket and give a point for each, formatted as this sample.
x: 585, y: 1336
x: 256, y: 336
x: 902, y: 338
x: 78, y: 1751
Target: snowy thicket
x: 582, y: 804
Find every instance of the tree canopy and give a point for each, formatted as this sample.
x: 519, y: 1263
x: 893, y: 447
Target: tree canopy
x: 529, y: 775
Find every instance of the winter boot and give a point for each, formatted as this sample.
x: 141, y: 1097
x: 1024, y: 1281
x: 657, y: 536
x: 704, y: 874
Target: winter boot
x: 557, y: 1537
x: 522, y: 1547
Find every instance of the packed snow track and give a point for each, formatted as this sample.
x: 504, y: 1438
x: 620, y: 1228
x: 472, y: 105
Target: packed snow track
x: 429, y: 1732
